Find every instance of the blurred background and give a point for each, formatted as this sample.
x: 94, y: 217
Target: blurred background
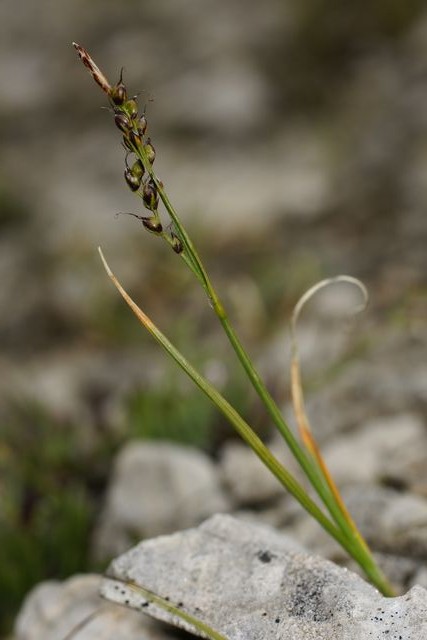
x: 292, y: 138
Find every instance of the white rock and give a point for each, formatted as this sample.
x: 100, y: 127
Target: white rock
x: 156, y: 488
x: 360, y: 456
x: 52, y: 610
x: 391, y: 521
x: 242, y: 581
x: 420, y: 577
x: 246, y: 477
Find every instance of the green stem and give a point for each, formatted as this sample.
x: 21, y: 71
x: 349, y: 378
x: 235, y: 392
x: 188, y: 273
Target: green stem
x: 354, y: 539
x: 339, y: 528
x: 255, y: 379
x: 351, y: 544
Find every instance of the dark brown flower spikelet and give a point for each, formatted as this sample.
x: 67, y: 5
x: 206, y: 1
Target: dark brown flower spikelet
x: 95, y: 71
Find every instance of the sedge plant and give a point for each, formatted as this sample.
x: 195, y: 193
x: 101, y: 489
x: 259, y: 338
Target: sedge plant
x: 142, y: 179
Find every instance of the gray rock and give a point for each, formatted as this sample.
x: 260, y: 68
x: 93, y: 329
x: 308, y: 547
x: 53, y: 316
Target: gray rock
x: 246, y: 477
x: 400, y: 570
x: 156, y: 488
x: 391, y: 521
x: 374, y: 443
x: 53, y: 609
x: 277, y: 515
x: 405, y: 466
x: 242, y: 581
x: 420, y: 577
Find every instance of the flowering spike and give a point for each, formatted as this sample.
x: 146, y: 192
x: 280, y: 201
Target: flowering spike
x: 95, y: 71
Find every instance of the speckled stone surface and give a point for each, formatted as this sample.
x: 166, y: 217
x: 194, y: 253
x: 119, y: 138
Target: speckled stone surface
x: 73, y: 609
x: 246, y: 582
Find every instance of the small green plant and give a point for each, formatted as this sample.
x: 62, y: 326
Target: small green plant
x: 165, y: 415
x: 143, y: 181
x: 46, y: 510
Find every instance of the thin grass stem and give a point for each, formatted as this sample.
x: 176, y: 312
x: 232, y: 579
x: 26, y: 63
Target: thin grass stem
x: 250, y: 437
x: 193, y: 258
x: 311, y: 468
x: 340, y: 527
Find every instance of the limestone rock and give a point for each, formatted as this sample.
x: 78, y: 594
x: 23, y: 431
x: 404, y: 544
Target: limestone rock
x: 53, y: 609
x: 391, y: 521
x: 361, y: 455
x: 246, y: 477
x: 242, y: 581
x: 156, y: 488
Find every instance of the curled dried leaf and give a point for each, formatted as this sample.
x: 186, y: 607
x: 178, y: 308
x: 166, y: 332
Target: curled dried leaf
x: 297, y: 393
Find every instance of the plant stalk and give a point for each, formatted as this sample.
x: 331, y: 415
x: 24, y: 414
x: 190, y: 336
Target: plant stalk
x: 311, y: 470
x: 351, y: 544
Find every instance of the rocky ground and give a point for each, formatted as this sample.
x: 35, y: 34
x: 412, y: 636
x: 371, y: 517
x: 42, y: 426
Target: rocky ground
x: 243, y: 580
x: 292, y: 137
